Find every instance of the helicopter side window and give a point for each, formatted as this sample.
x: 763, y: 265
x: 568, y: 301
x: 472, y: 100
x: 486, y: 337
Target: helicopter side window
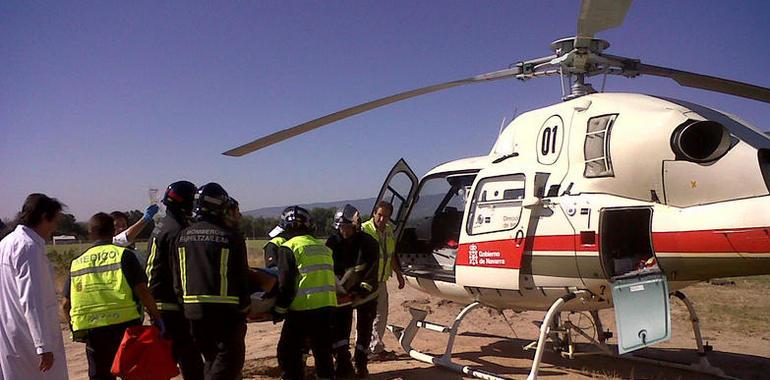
x: 496, y: 206
x: 435, y: 219
x: 597, y: 147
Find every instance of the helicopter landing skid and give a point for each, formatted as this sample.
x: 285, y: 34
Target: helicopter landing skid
x: 406, y: 335
x: 703, y: 365
x: 564, y: 333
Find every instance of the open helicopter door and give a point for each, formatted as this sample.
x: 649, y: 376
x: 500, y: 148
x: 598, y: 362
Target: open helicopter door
x: 399, y: 189
x: 639, y: 288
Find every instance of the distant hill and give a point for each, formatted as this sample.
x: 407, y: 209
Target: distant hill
x: 363, y: 205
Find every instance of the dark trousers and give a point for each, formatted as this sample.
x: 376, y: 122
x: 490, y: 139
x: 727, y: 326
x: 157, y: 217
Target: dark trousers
x: 102, y: 344
x: 365, y: 314
x: 343, y: 320
x: 186, y: 352
x: 221, y: 341
x: 299, y: 327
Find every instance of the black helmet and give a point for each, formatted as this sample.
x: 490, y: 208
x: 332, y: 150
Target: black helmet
x: 346, y: 215
x: 232, y: 203
x: 179, y: 195
x: 295, y: 218
x: 211, y: 200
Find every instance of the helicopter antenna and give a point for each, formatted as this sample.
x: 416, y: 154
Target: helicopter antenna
x: 561, y: 79
x: 604, y: 80
x: 502, y: 124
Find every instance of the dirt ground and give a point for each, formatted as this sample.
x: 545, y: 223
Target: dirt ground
x: 740, y: 349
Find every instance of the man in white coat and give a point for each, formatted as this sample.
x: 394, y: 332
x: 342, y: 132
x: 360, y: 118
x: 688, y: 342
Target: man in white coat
x: 31, y: 345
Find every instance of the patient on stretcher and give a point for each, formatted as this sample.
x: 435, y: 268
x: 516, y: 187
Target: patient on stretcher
x: 263, y: 292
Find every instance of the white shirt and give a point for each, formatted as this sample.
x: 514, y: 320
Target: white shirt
x: 29, y: 318
x: 121, y: 239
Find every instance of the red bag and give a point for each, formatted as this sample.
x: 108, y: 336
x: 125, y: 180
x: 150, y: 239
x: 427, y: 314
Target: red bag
x: 144, y: 355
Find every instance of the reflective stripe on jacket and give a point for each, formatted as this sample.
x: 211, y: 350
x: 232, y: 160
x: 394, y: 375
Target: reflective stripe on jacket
x: 192, y: 296
x: 213, y: 270
x: 387, y: 247
x: 99, y: 292
x: 162, y: 261
x: 316, y: 284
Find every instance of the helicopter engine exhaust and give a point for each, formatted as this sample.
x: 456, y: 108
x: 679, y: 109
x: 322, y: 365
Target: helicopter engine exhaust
x: 700, y: 141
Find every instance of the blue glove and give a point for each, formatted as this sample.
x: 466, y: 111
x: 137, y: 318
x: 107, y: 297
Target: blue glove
x: 150, y: 212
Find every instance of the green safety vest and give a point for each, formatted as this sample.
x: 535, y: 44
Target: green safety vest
x: 99, y: 292
x: 386, y: 248
x: 278, y: 240
x: 316, y: 284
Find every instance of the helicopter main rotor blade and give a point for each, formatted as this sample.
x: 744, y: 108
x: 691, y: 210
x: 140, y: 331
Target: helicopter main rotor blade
x: 598, y: 15
x: 355, y: 110
x: 707, y: 82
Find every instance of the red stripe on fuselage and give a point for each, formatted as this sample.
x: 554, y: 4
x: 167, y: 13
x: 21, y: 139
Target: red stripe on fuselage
x: 507, y: 253
x: 739, y: 240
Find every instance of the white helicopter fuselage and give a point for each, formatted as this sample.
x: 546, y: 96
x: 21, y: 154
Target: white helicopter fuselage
x: 576, y: 193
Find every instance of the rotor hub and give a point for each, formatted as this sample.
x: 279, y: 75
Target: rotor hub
x: 583, y: 44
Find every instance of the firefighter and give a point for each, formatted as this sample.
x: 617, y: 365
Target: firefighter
x: 277, y: 237
x: 306, y: 297
x: 101, y: 296
x: 213, y: 283
x: 356, y: 267
x: 163, y: 265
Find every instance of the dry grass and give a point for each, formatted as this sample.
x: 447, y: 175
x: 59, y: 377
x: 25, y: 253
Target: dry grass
x: 743, y: 308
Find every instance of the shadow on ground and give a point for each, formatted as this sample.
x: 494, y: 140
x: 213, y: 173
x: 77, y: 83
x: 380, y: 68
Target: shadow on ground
x: 554, y: 366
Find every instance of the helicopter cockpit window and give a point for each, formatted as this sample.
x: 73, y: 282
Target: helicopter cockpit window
x: 496, y: 204
x: 597, y: 147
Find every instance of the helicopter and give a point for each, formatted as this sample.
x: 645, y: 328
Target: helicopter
x: 605, y: 200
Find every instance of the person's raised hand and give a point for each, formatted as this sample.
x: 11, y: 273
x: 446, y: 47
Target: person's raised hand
x: 149, y: 212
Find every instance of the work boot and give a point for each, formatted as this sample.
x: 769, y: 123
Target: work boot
x: 382, y: 356
x: 344, y: 369
x: 361, y: 371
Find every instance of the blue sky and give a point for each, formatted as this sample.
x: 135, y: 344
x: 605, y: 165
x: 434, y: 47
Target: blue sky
x: 101, y: 100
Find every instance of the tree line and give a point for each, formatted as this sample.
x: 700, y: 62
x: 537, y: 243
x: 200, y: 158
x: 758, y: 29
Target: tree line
x: 259, y: 227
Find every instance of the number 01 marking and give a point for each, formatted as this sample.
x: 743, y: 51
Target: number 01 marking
x: 548, y: 146
x: 551, y: 140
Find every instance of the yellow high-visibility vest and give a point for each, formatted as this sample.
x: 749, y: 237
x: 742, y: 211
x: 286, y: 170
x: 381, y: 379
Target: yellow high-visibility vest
x: 316, y: 284
x: 278, y: 240
x: 99, y: 292
x: 387, y: 247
